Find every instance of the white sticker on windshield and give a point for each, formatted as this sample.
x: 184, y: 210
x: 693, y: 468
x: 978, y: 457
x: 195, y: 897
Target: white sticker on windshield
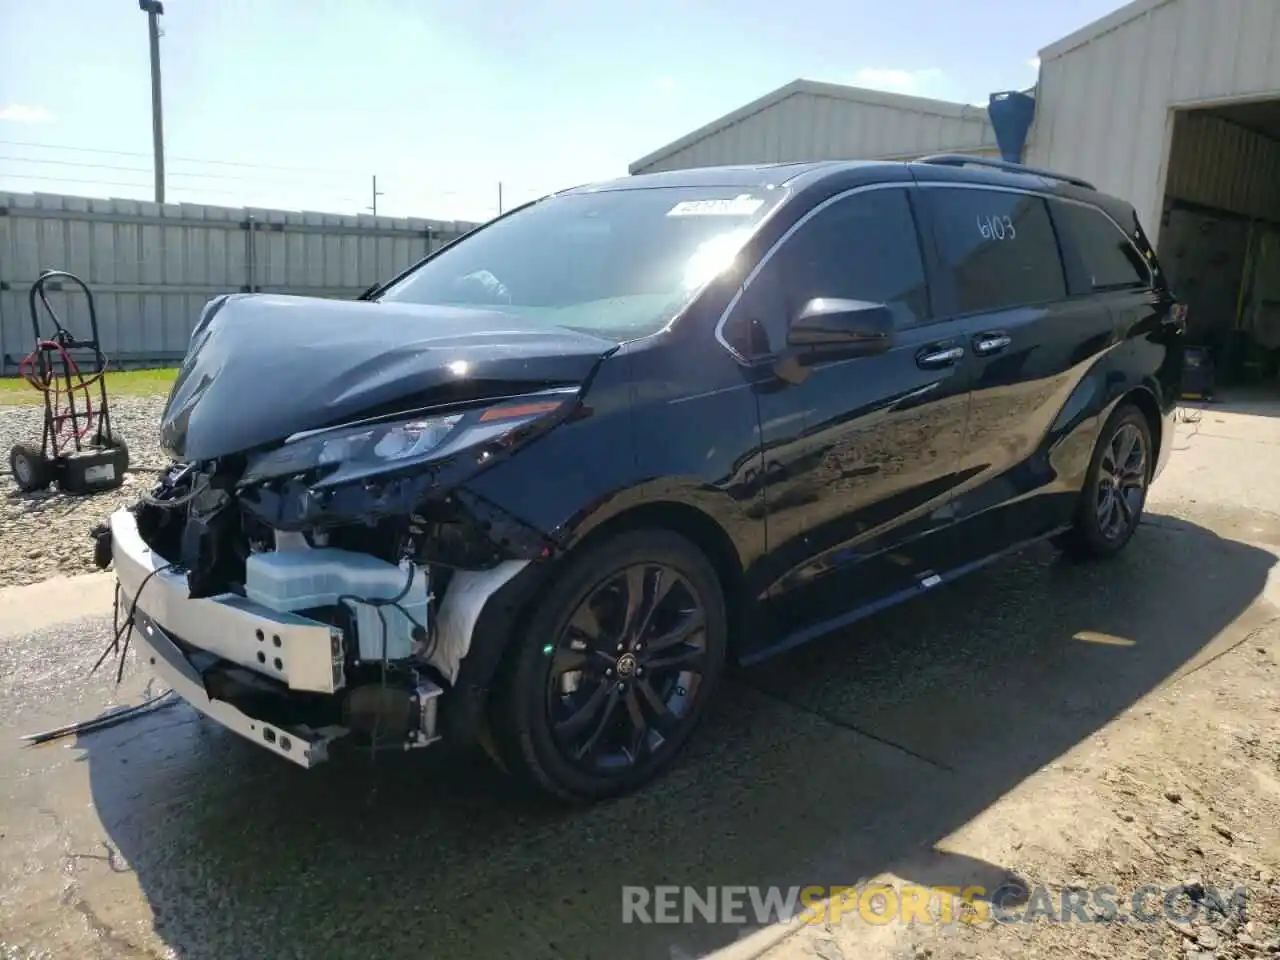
x: 743, y: 205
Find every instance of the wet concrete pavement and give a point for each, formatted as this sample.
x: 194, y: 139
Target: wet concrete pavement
x: 168, y: 836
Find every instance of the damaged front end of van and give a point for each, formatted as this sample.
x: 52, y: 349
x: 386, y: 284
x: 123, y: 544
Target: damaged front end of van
x: 315, y: 565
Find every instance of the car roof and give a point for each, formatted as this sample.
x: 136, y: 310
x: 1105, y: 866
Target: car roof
x: 737, y: 175
x: 803, y: 173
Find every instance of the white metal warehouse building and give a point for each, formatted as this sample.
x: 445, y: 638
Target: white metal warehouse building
x: 808, y: 120
x: 1173, y: 105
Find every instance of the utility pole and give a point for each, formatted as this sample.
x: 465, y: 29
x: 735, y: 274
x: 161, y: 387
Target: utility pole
x: 499, y: 198
x: 376, y: 194
x: 154, y: 9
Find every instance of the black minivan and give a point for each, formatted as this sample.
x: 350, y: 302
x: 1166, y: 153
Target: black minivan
x: 539, y: 489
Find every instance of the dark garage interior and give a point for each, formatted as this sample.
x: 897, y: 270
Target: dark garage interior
x: 1220, y: 243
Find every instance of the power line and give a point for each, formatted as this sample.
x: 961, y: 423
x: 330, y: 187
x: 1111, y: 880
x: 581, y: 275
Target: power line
x: 143, y: 186
x: 187, y: 188
x: 225, y: 163
x: 393, y: 180
x: 105, y: 183
x: 172, y: 173
x: 258, y: 182
x: 396, y: 183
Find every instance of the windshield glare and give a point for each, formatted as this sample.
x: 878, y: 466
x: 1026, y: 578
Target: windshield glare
x: 618, y: 264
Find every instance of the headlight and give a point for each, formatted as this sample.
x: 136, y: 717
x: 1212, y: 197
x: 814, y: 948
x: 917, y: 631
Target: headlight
x: 351, y: 452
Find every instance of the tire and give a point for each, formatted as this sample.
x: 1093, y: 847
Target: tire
x: 578, y: 718
x: 1104, y: 522
x: 31, y: 471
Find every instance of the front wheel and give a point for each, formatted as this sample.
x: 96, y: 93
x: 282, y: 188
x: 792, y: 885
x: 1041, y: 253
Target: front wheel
x: 608, y: 678
x: 1115, y: 490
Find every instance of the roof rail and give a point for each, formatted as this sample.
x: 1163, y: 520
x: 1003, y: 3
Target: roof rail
x: 964, y: 160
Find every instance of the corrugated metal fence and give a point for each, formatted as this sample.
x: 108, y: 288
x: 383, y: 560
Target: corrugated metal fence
x: 152, y: 266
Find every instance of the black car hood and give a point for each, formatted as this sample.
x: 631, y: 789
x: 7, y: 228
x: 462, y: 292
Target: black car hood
x: 261, y: 367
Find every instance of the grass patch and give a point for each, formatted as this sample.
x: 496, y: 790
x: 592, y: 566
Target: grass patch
x: 120, y: 383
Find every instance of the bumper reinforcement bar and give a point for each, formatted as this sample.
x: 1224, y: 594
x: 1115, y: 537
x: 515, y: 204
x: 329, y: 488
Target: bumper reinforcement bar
x: 304, y: 746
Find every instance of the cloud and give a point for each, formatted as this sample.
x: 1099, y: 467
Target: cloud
x: 21, y: 113
x: 898, y: 81
x: 1034, y: 63
x: 666, y: 84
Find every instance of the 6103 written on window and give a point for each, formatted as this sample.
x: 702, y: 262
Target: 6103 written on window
x: 996, y: 228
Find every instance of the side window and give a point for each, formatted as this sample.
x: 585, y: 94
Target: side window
x: 863, y: 247
x: 998, y: 248
x: 1110, y: 260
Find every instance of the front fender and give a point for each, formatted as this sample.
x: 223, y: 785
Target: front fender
x: 742, y: 526
x: 706, y: 514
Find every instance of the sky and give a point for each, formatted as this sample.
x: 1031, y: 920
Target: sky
x: 298, y: 104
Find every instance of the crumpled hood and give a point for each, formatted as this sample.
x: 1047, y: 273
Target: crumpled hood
x: 262, y: 366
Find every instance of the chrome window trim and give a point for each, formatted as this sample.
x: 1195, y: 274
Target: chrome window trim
x: 910, y: 185
x: 777, y: 244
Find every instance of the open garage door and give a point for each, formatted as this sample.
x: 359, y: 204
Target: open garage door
x: 1220, y: 235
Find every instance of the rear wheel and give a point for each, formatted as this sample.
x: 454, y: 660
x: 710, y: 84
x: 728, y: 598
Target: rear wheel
x: 1115, y: 491
x: 31, y: 471
x: 606, y: 682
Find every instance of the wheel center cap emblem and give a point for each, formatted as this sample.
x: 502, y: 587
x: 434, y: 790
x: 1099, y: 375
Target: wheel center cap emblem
x: 626, y: 665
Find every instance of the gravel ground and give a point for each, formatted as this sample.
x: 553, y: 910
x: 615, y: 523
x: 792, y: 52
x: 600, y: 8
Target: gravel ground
x: 45, y: 533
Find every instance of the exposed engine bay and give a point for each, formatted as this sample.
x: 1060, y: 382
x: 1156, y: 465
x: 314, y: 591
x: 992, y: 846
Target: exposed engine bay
x: 341, y: 627
x: 376, y: 586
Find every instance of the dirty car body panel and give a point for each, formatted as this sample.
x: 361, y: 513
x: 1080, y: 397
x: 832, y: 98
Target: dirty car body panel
x: 536, y: 489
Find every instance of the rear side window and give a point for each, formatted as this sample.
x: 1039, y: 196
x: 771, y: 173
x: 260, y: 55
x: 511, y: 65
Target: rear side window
x: 1110, y: 260
x: 998, y: 248
x: 862, y: 247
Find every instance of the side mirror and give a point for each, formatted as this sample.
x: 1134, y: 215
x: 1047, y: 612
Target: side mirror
x: 851, y: 327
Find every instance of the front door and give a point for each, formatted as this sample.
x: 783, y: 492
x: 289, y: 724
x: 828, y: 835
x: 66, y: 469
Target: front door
x: 860, y: 456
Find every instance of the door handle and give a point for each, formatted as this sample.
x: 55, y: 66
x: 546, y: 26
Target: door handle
x: 985, y: 344
x: 938, y: 356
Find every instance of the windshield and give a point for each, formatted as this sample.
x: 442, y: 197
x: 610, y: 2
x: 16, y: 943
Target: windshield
x: 617, y: 264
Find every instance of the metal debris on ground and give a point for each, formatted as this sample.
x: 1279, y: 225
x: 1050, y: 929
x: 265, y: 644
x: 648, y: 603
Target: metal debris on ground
x: 158, y: 702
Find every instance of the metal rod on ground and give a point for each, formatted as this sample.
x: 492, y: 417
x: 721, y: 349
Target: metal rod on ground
x: 154, y: 9
x: 165, y: 699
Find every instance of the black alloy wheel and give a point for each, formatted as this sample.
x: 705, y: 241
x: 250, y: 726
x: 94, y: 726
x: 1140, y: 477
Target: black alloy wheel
x: 1115, y: 490
x: 1121, y: 484
x: 626, y: 670
x: 609, y: 678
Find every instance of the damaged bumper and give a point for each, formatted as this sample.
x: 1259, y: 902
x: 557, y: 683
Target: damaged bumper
x: 303, y: 746
x: 281, y: 679
x: 303, y: 654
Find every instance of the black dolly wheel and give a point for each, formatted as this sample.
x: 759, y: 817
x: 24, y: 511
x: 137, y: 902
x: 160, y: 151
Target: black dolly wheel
x: 607, y: 679
x: 31, y: 471
x: 1115, y: 489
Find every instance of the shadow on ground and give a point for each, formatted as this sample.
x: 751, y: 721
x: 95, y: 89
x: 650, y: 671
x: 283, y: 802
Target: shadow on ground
x: 843, y: 759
